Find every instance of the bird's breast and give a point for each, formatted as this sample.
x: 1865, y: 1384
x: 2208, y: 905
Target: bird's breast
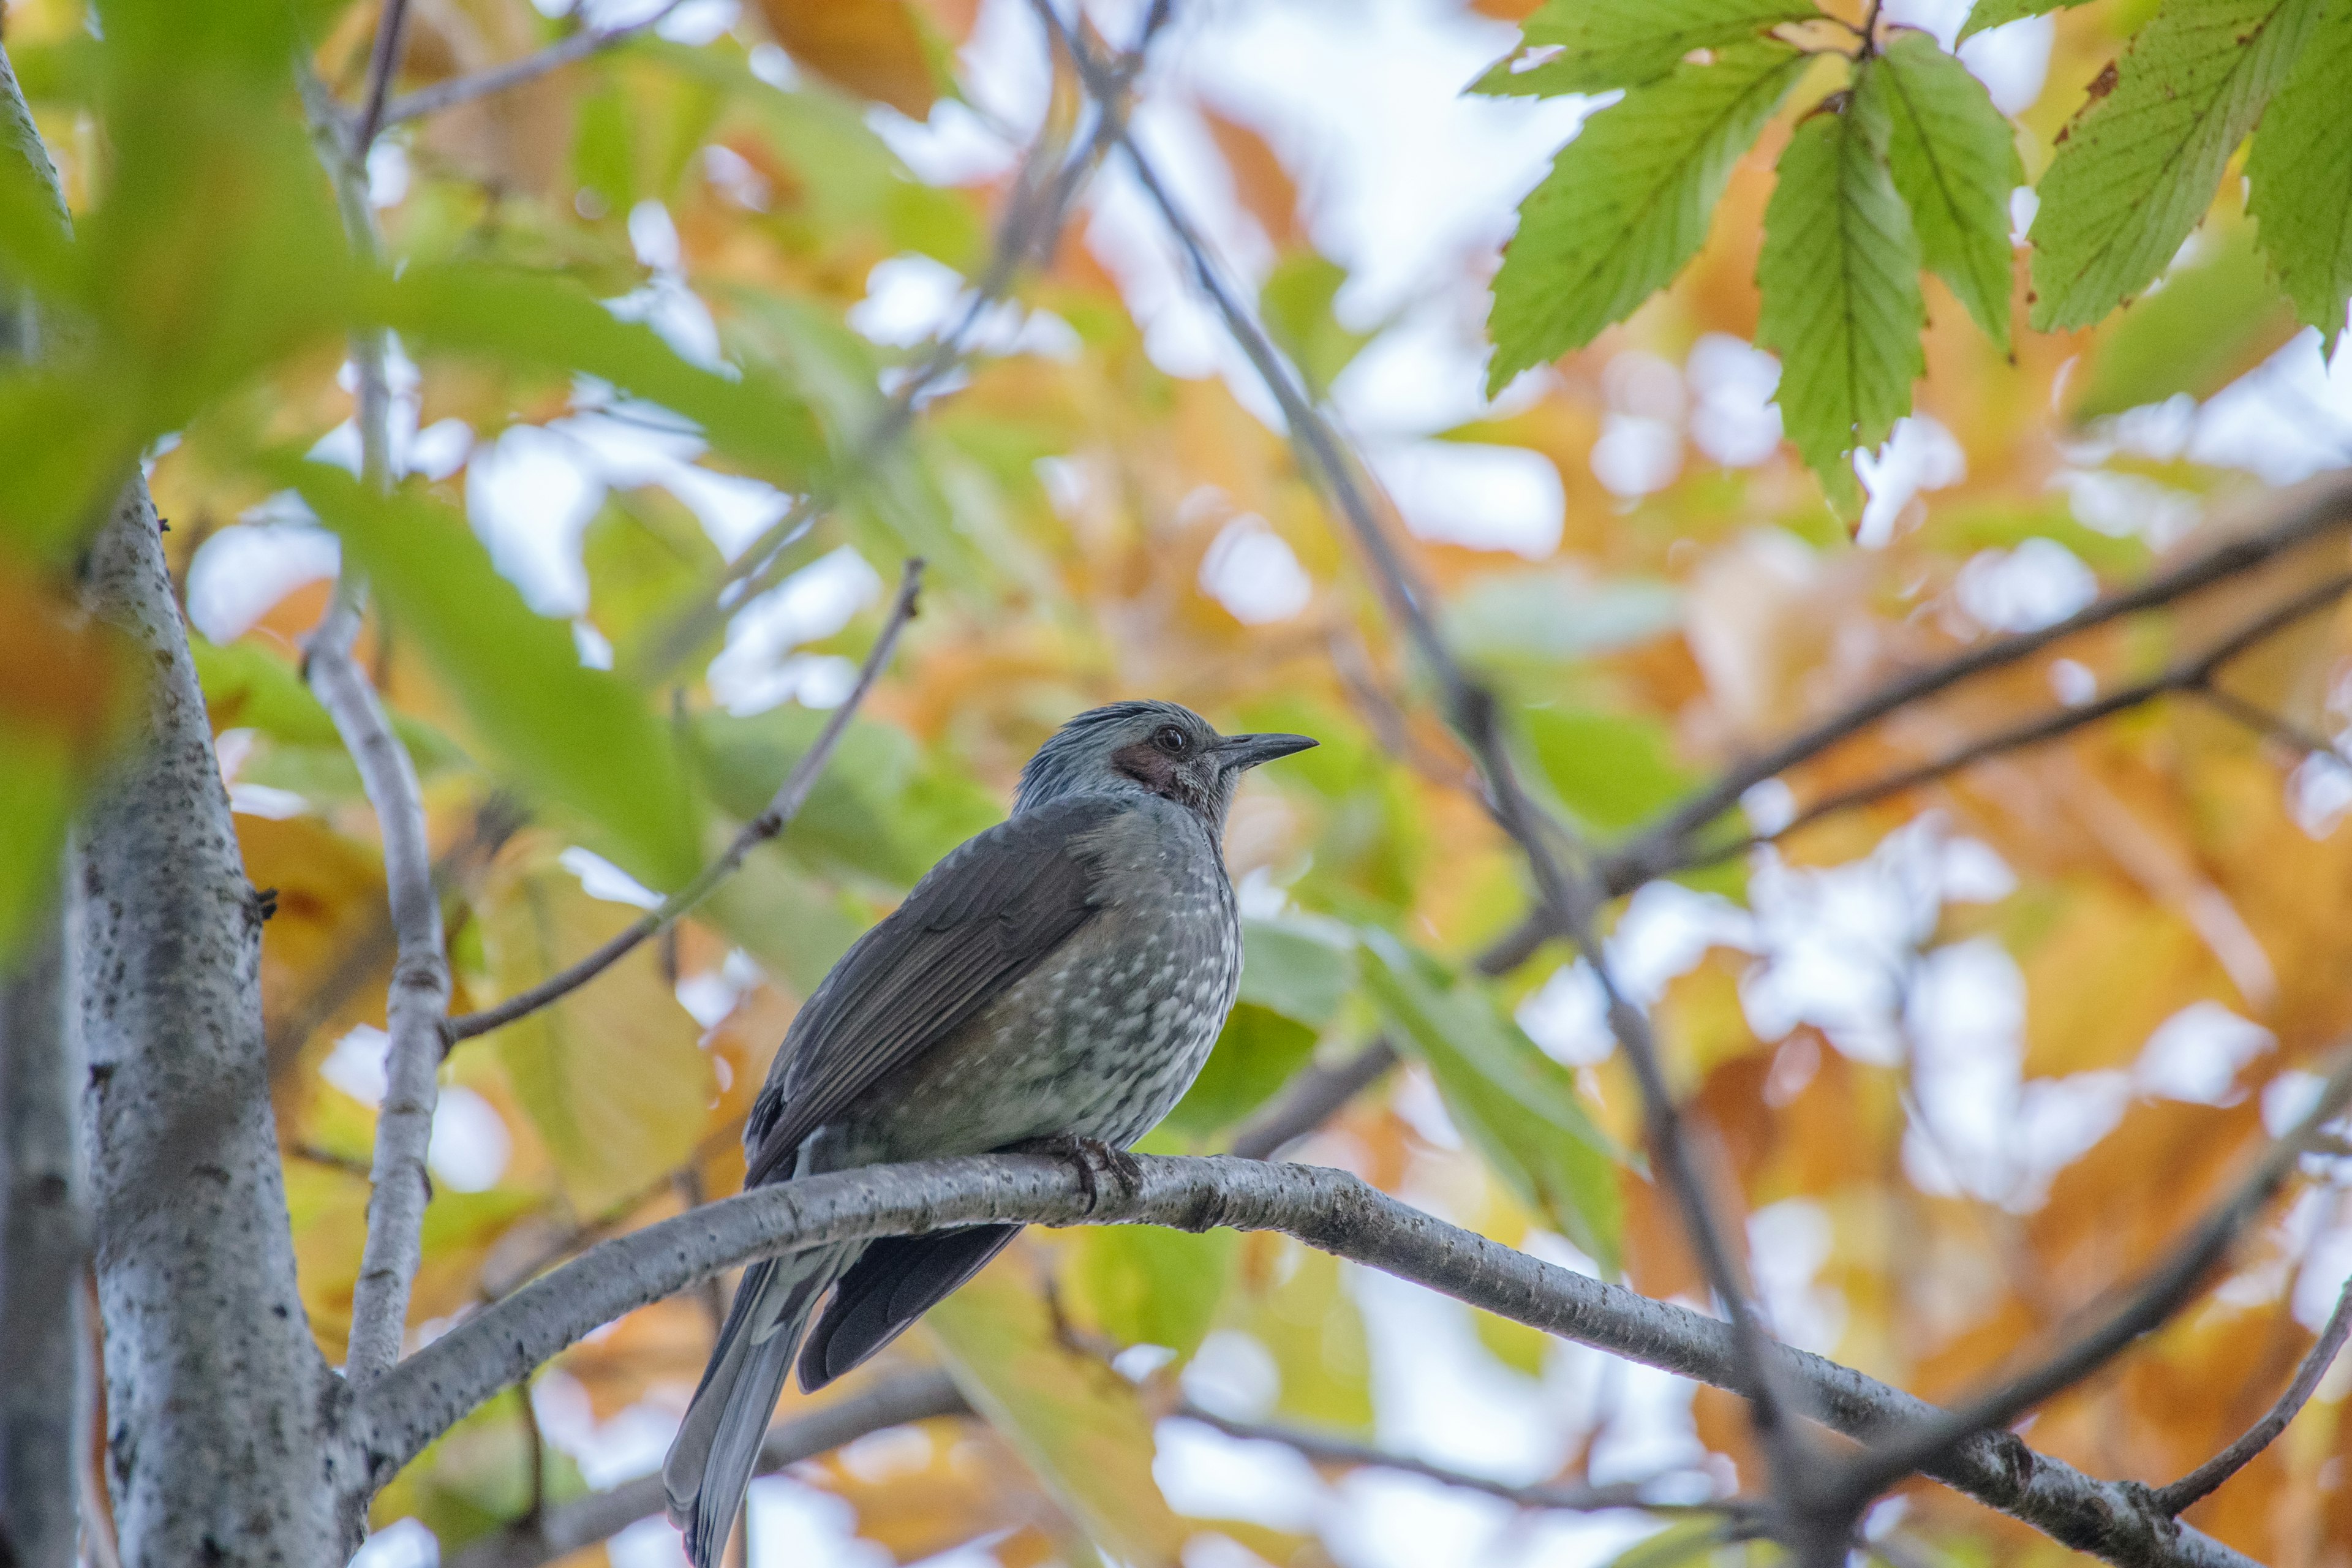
x: 1100, y: 1039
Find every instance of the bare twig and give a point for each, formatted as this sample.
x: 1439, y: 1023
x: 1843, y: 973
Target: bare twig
x: 1314, y: 1094
x: 1329, y: 1210
x: 2193, y: 675
x: 2167, y: 1290
x: 2201, y: 1481
x: 2320, y: 507
x: 2263, y: 721
x: 44, y: 1235
x: 1316, y: 1091
x: 419, y: 998
x: 1567, y: 891
x: 878, y: 1405
x: 1324, y: 1449
x: 383, y: 64
x: 498, y: 78
x: 789, y: 797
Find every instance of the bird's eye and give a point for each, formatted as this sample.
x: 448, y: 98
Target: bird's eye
x: 1172, y: 739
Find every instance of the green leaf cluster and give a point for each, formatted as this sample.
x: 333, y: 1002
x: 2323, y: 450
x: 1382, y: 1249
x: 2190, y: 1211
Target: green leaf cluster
x: 1910, y: 167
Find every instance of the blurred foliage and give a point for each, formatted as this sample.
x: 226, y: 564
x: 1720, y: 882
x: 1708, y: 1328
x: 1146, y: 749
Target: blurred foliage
x: 661, y: 250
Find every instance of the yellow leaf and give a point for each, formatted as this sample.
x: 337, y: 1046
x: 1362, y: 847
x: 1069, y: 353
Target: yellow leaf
x: 611, y: 1076
x: 1079, y: 1424
x: 873, y: 47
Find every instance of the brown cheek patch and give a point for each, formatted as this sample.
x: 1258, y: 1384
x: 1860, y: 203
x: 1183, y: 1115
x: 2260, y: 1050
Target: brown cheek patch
x: 1144, y: 762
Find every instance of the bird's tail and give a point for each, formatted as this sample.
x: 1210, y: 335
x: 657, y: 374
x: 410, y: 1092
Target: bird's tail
x: 717, y: 1447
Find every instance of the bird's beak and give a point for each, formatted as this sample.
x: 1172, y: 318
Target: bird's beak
x: 1240, y: 752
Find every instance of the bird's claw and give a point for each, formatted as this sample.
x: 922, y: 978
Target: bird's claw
x: 1090, y: 1157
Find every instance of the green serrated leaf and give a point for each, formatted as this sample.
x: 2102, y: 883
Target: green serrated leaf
x: 578, y: 735
x: 1516, y: 1106
x: 2138, y: 169
x: 2299, y: 176
x: 1082, y: 1427
x: 1628, y: 202
x: 1604, y: 43
x: 2216, y: 317
x: 1840, y: 279
x: 2000, y: 13
x: 1955, y: 162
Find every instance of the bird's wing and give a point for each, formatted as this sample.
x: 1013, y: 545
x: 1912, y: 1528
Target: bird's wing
x: 980, y: 919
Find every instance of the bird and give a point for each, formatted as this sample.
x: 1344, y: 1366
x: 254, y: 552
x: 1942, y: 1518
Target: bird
x: 1054, y: 983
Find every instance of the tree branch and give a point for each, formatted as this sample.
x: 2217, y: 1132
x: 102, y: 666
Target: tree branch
x: 383, y: 64
x: 1567, y: 890
x: 1325, y: 1450
x: 2318, y: 507
x: 566, y: 51
x: 2168, y: 1289
x: 419, y: 994
x: 44, y: 1246
x: 790, y: 796
x: 881, y: 1403
x: 419, y: 1000
x: 2194, y: 674
x: 2205, y: 1479
x: 1312, y: 1096
x: 2263, y: 721
x: 1326, y: 1209
x: 226, y: 1434
x: 226, y: 1438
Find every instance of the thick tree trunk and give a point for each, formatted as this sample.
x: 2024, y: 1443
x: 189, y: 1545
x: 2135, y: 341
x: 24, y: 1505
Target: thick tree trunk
x: 223, y: 1422
x: 44, y: 1244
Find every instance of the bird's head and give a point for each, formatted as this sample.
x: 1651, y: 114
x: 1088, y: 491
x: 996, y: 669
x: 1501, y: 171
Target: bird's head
x: 1149, y: 748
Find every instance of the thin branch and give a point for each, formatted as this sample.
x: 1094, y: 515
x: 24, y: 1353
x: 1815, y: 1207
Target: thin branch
x: 2166, y: 1291
x: 2193, y: 675
x: 2320, y: 507
x: 2201, y: 1481
x: 45, y: 1234
x: 383, y: 64
x: 880, y: 1405
x: 566, y: 51
x: 1568, y: 893
x: 1329, y: 1210
x: 1312, y: 1096
x: 786, y: 804
x: 418, y: 1001
x: 1323, y: 1448
x: 419, y: 994
x: 2274, y: 726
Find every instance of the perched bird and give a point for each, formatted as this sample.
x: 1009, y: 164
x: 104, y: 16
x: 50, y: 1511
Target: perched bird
x: 1056, y: 981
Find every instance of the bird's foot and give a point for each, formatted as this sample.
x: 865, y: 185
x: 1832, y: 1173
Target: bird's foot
x: 1090, y: 1157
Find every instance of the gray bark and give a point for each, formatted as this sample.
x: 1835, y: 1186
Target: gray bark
x: 418, y: 1002
x: 223, y: 1420
x: 43, y: 1218
x: 44, y: 1247
x: 1326, y: 1209
x: 223, y: 1434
